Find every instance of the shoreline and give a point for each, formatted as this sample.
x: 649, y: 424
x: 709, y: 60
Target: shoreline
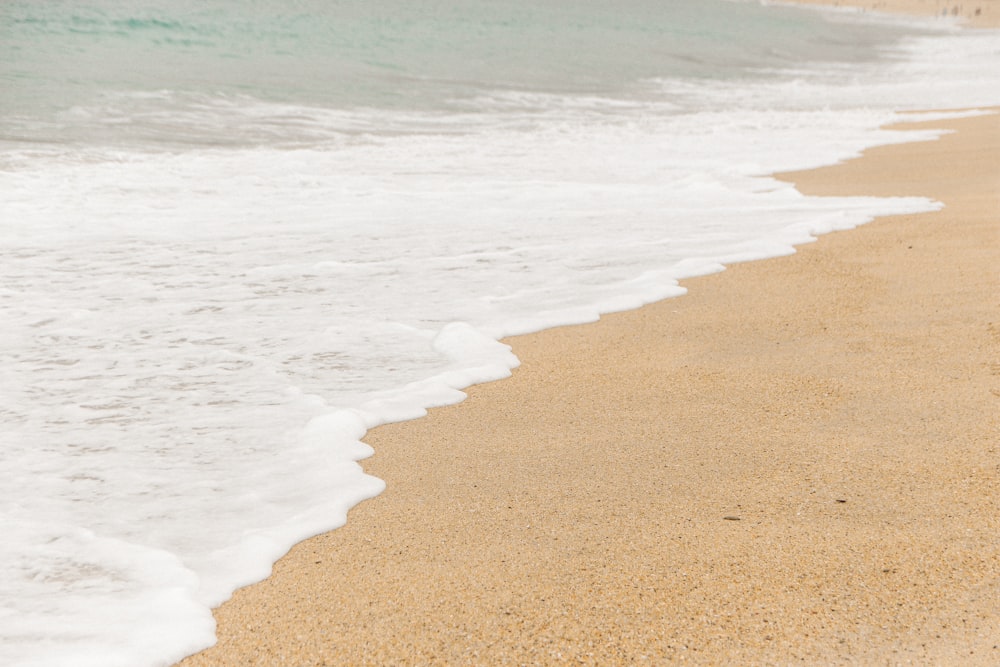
x: 840, y: 402
x: 353, y: 596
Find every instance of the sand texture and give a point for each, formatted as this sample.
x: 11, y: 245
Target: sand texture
x: 975, y: 13
x: 797, y: 462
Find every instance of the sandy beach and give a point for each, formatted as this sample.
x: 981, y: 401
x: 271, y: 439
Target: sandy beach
x: 978, y: 13
x: 796, y: 462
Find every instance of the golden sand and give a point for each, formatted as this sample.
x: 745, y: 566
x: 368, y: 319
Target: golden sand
x: 798, y: 461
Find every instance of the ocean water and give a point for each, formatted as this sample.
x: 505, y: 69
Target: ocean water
x: 236, y: 234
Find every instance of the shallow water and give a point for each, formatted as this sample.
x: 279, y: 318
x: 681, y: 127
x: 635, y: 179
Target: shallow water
x: 236, y: 235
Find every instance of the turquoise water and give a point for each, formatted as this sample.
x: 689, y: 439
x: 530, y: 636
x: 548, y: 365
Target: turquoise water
x: 56, y: 56
x: 236, y: 235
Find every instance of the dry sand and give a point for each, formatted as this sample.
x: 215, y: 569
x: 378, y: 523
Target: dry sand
x: 842, y: 403
x: 975, y: 13
x: 797, y: 463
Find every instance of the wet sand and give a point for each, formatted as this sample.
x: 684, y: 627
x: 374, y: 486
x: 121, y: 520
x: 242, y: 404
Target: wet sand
x: 797, y: 461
